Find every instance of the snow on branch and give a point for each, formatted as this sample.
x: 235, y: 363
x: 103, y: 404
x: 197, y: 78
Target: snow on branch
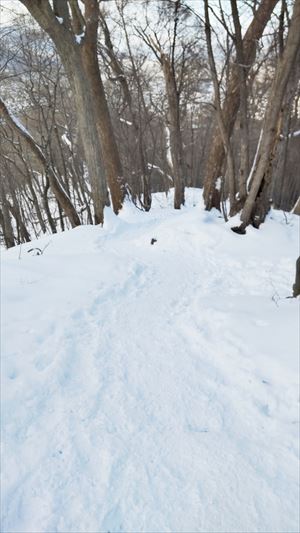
x: 290, y: 135
x: 125, y: 121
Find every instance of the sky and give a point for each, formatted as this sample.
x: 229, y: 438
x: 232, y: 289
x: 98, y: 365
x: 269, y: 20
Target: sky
x: 8, y: 7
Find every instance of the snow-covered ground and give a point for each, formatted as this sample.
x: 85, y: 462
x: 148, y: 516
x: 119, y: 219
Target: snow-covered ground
x: 152, y: 388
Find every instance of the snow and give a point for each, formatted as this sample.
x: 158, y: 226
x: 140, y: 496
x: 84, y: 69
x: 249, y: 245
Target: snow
x: 125, y: 121
x: 79, y: 37
x: 19, y: 124
x: 218, y: 183
x: 151, y: 388
x: 150, y: 166
x: 66, y: 140
x: 168, y: 145
x: 291, y: 135
x: 60, y: 20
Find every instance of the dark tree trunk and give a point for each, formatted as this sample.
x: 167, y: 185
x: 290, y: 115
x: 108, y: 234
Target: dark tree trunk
x: 174, y: 126
x: 5, y: 220
x: 296, y: 286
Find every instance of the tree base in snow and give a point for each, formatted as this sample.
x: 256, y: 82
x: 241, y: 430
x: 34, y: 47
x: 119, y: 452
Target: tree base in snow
x: 241, y: 230
x: 296, y: 286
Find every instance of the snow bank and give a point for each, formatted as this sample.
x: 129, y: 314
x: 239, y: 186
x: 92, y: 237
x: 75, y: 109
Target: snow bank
x: 151, y: 387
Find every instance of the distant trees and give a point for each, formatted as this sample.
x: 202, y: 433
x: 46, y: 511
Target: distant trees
x: 103, y: 99
x: 118, y: 70
x: 173, y: 72
x: 58, y: 191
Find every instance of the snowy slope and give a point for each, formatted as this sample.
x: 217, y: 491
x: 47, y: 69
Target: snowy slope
x: 151, y: 388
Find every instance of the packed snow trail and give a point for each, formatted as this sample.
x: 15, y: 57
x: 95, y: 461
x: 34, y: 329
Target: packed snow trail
x: 151, y: 388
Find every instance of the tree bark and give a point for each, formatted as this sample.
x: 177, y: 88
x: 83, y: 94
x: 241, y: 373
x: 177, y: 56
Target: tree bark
x: 243, y: 112
x: 5, y: 220
x: 110, y: 153
x: 296, y: 208
x: 174, y: 126
x: 215, y: 160
x: 296, y: 286
x: 256, y: 205
x: 281, y: 187
x: 219, y: 112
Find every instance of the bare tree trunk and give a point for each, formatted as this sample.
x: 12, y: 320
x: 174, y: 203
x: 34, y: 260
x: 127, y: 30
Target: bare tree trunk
x: 46, y: 206
x: 176, y: 146
x: 215, y: 160
x: 296, y: 286
x: 110, y: 153
x: 296, y: 208
x: 281, y: 187
x: 256, y: 205
x: 243, y: 113
x: 5, y: 220
x: 16, y: 210
x: 219, y: 112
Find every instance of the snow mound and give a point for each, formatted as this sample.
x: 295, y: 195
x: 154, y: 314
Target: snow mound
x: 151, y: 387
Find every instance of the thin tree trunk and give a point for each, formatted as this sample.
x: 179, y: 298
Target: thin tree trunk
x: 47, y: 208
x: 219, y: 111
x: 110, y: 153
x: 36, y: 205
x: 174, y: 126
x: 5, y: 220
x: 296, y: 286
x: 243, y: 113
x: 15, y: 210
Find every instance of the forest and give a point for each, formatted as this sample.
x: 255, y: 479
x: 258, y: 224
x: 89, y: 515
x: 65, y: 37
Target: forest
x: 103, y: 101
x: 149, y: 233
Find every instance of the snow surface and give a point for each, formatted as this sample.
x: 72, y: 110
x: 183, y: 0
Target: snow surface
x: 151, y: 388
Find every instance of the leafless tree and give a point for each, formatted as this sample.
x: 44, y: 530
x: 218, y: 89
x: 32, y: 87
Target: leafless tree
x: 74, y: 34
x: 257, y: 202
x: 231, y: 104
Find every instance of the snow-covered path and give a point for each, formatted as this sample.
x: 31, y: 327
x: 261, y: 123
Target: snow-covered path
x: 151, y: 388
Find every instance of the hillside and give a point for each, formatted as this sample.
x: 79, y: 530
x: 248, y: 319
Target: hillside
x: 152, y: 388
